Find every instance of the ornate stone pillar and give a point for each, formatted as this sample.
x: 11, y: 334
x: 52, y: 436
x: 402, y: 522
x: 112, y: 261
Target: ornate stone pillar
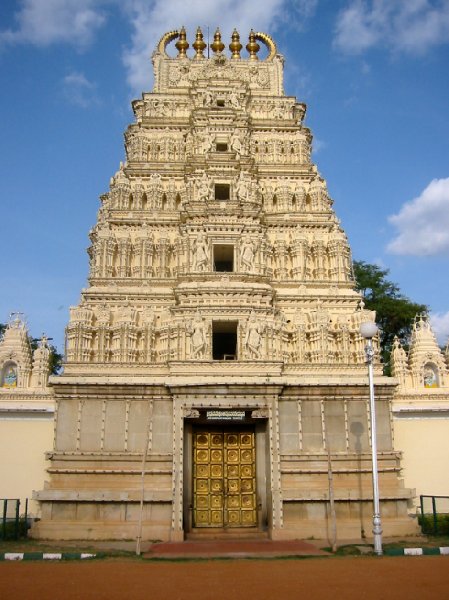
x: 280, y: 252
x: 299, y: 253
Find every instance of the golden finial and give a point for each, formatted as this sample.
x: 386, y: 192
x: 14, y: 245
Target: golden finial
x: 182, y: 44
x: 235, y: 46
x: 217, y: 45
x: 252, y: 46
x: 199, y: 44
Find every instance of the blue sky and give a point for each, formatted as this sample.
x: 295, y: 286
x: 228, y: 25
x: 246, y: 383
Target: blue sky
x: 374, y: 74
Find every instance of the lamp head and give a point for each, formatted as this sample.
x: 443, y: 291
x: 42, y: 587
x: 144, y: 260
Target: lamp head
x: 368, y: 329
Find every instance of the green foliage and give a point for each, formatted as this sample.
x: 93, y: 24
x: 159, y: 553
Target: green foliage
x: 394, y: 311
x: 437, y: 526
x: 56, y: 359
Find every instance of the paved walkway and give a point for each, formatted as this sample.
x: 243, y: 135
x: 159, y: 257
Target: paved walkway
x: 233, y: 548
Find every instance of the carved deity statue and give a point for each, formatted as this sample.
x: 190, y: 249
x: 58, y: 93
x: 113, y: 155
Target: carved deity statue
x: 234, y: 100
x: 247, y: 253
x: 236, y: 144
x: 197, y: 331
x: 253, y: 337
x: 200, y: 254
x: 242, y: 188
x: 204, y: 188
x: 208, y: 98
x: 207, y: 143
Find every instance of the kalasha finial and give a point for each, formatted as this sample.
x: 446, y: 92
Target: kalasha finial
x: 182, y: 44
x: 217, y: 45
x: 199, y: 44
x: 235, y: 46
x: 252, y: 46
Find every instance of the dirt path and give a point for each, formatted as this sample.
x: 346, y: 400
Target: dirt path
x: 361, y: 578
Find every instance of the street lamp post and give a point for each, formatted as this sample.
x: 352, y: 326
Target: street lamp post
x: 368, y: 330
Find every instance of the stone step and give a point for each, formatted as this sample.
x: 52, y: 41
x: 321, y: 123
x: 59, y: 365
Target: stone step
x: 222, y: 533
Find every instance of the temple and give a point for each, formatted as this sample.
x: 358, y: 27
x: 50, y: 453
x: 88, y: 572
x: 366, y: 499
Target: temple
x: 215, y: 375
x: 26, y: 413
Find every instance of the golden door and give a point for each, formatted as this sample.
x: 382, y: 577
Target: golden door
x: 224, y: 482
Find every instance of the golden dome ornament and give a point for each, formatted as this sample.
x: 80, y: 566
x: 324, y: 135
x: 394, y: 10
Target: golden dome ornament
x: 182, y: 44
x: 235, y: 46
x: 217, y: 45
x: 199, y: 44
x: 252, y: 46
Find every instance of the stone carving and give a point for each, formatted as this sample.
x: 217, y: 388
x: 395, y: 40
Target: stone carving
x: 247, y: 252
x: 191, y: 413
x: 103, y: 314
x: 197, y: 331
x: 207, y: 98
x: 236, y: 144
x: 204, y: 188
x: 200, y: 254
x: 253, y: 337
x: 243, y: 188
x: 234, y: 100
x: 260, y: 413
x: 179, y: 74
x: 207, y: 143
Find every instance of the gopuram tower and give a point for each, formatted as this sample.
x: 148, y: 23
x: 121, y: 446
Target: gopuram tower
x: 216, y: 349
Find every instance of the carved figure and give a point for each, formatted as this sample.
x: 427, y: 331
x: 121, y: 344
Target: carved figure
x: 197, y: 331
x: 155, y: 179
x: 208, y: 98
x: 247, y: 253
x: 234, y: 100
x: 243, y: 188
x: 236, y: 144
x: 200, y: 254
x: 204, y: 188
x: 207, y: 143
x: 253, y: 337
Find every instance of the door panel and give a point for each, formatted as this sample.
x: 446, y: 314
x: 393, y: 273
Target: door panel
x: 224, y: 484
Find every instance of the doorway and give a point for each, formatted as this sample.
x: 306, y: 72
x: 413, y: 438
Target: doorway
x: 224, y: 478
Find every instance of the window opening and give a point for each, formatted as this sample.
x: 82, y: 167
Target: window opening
x: 224, y: 258
x: 222, y: 147
x: 224, y: 340
x: 222, y: 191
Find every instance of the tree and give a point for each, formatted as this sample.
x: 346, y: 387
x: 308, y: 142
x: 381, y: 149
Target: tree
x: 394, y: 311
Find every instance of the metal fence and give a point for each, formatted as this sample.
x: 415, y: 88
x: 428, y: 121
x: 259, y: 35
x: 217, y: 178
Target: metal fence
x: 434, y: 518
x: 13, y: 525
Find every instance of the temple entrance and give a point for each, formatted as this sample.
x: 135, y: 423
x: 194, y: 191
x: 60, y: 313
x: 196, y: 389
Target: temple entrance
x: 224, y: 478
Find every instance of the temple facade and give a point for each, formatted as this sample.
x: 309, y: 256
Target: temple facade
x: 421, y: 412
x: 26, y: 413
x: 215, y: 375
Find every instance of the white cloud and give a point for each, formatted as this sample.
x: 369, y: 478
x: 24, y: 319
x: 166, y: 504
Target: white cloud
x: 45, y: 22
x: 411, y: 26
x: 78, y: 90
x: 318, y: 145
x: 151, y: 20
x: 423, y: 223
x: 440, y: 325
